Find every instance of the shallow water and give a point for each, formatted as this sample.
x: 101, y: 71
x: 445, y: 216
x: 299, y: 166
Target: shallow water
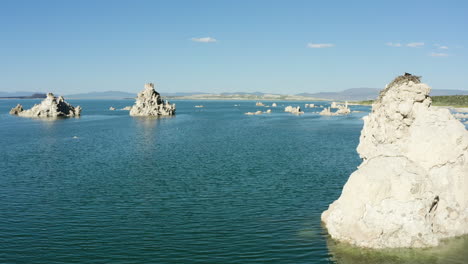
x: 210, y: 185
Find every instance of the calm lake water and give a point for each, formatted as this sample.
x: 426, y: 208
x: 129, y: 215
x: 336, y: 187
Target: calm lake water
x: 210, y: 185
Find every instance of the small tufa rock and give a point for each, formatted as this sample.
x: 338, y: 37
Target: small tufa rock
x: 150, y: 103
x: 294, y: 110
x: 342, y: 110
x: 51, y: 106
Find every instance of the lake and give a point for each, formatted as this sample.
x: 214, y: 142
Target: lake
x: 209, y: 185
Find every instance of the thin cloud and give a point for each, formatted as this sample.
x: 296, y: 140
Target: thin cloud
x: 204, y: 40
x: 444, y: 47
x: 436, y: 54
x: 391, y: 44
x: 415, y: 44
x: 320, y: 45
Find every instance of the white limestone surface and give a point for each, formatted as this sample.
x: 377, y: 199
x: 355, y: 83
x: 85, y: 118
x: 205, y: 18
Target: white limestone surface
x: 411, y: 189
x: 50, y: 107
x: 150, y: 103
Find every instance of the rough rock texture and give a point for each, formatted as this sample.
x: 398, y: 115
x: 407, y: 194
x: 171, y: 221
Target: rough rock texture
x: 411, y: 188
x: 150, y: 103
x: 51, y: 106
x: 294, y: 110
x: 342, y: 110
x: 16, y: 110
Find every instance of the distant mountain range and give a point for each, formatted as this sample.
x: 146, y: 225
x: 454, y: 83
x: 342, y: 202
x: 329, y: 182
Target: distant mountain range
x: 360, y: 94
x: 101, y: 95
x: 119, y: 95
x: 354, y: 94
x: 22, y: 95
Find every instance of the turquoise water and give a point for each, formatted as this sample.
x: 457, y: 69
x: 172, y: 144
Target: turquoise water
x: 210, y: 185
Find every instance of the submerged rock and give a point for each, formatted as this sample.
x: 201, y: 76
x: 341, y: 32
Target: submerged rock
x: 254, y: 113
x: 410, y: 190
x: 51, y: 106
x: 150, y: 103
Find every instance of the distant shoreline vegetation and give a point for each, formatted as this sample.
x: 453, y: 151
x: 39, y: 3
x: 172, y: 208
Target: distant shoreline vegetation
x: 449, y: 100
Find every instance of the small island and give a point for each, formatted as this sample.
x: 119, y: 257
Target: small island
x: 51, y: 106
x: 150, y: 103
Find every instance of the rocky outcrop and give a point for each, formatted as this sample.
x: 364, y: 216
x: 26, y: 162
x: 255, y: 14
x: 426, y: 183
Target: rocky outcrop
x: 51, y: 106
x: 259, y: 104
x: 410, y: 190
x: 112, y: 108
x: 150, y: 103
x: 309, y: 105
x: 342, y: 110
x: 127, y: 108
x: 16, y: 110
x: 273, y: 105
x: 294, y: 110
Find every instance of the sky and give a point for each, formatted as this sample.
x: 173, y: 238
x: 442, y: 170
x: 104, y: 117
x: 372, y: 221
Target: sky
x: 218, y: 46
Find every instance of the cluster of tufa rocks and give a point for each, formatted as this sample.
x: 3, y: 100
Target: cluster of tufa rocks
x: 411, y: 188
x: 51, y: 106
x: 150, y: 103
x: 293, y: 110
x: 342, y: 109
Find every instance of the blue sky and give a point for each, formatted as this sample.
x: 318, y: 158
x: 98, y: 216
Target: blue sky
x: 226, y: 46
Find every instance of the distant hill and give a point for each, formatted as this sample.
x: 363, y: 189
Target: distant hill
x: 180, y: 94
x: 361, y: 94
x: 21, y: 95
x: 354, y: 94
x: 101, y: 95
x: 17, y: 94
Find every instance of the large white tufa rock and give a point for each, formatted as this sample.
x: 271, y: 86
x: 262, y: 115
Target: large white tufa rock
x: 411, y: 188
x: 51, y: 106
x: 150, y: 103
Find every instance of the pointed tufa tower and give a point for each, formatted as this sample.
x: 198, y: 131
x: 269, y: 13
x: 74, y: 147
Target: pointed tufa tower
x: 150, y: 103
x: 411, y: 188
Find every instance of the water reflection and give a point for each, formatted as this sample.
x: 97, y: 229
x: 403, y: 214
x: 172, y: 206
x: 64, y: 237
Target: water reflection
x: 147, y: 132
x: 450, y: 251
